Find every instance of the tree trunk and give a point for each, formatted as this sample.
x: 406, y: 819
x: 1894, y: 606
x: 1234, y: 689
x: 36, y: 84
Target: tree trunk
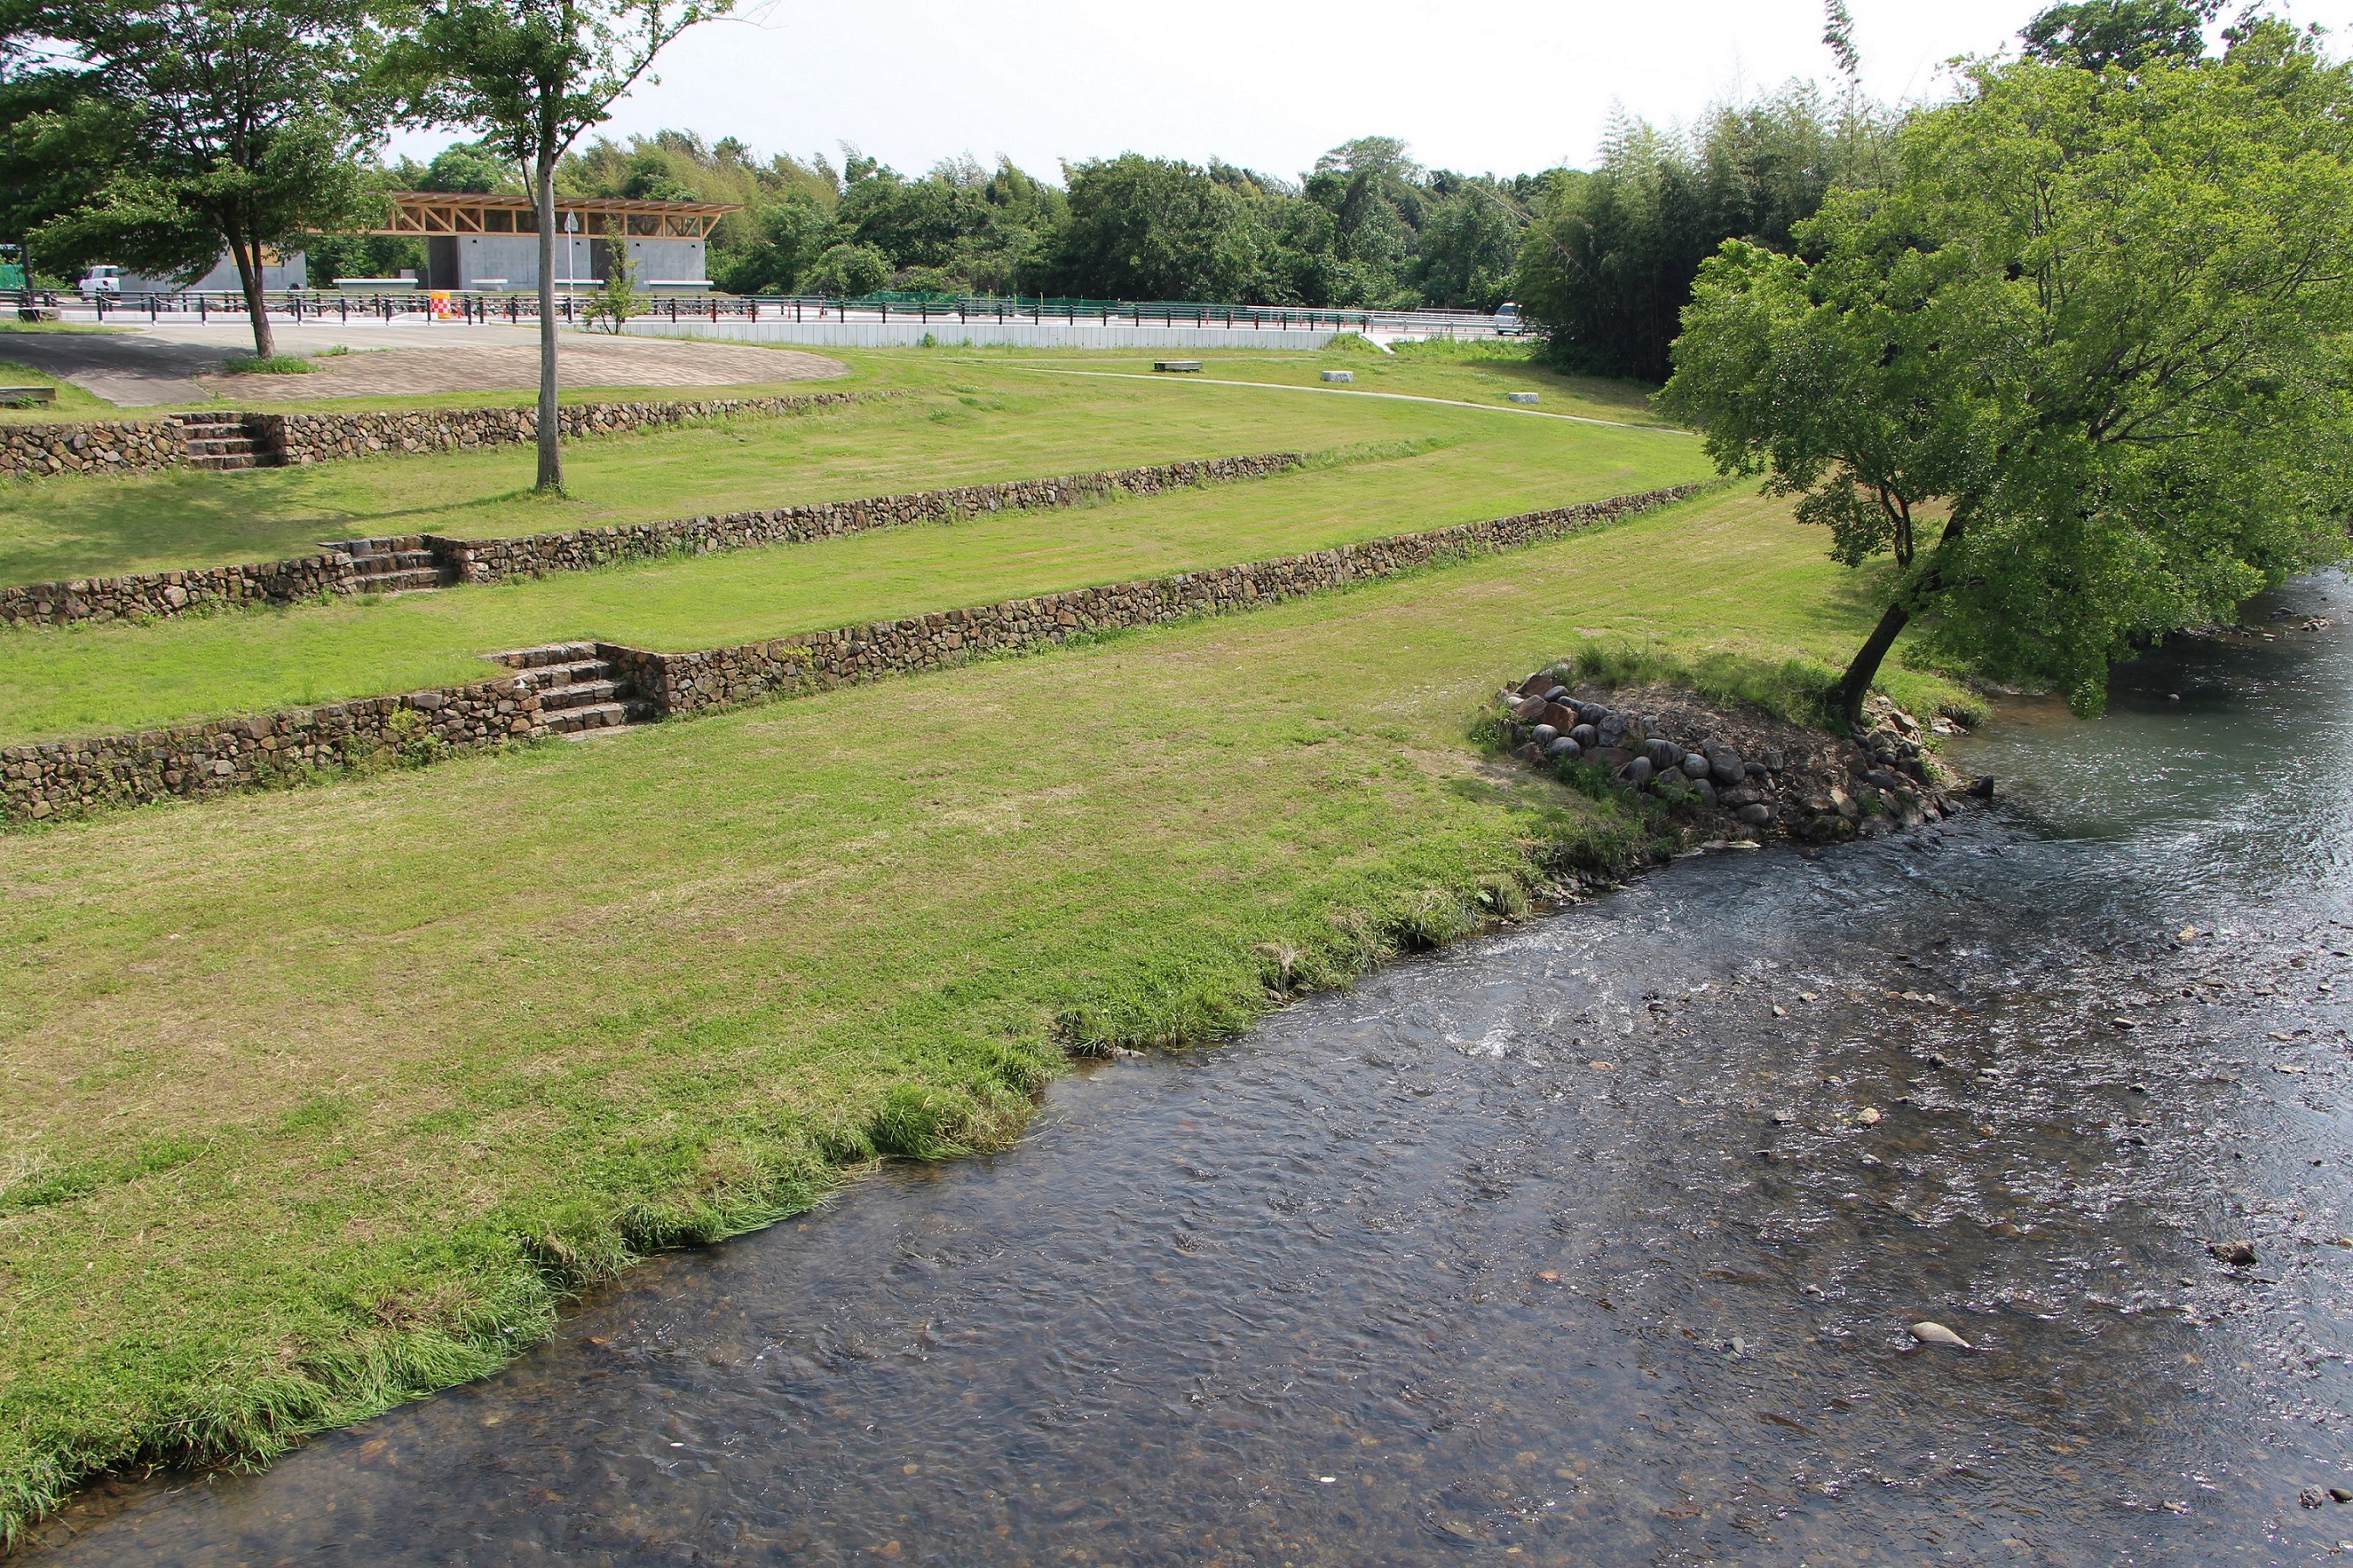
x: 247, y: 257
x: 1856, y: 685
x: 550, y: 450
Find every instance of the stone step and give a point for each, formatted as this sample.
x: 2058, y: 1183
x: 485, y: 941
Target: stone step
x: 405, y: 582
x: 580, y: 694
x: 226, y: 462
x: 547, y: 654
x: 398, y: 561
x: 553, y: 677
x: 598, y: 716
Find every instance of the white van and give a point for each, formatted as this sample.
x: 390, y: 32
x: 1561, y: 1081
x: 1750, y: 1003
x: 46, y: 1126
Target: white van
x: 1507, y: 320
x: 100, y: 281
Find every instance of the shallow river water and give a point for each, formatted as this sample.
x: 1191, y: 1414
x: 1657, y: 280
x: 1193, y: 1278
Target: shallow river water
x: 1593, y: 1242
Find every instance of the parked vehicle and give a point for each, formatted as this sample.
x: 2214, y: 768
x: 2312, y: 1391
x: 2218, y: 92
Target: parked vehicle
x: 100, y: 281
x: 1507, y: 320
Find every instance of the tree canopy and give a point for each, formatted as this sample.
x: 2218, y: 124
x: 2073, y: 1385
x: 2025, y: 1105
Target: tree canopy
x: 2081, y: 370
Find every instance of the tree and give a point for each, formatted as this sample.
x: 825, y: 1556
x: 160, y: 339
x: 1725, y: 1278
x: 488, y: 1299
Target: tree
x: 2082, y: 373
x: 532, y: 75
x: 1152, y: 229
x: 227, y: 127
x: 1470, y: 243
x: 848, y: 272
x: 2126, y: 34
x: 1606, y: 272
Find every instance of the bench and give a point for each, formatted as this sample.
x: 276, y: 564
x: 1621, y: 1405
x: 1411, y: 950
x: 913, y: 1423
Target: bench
x: 1519, y: 397
x: 1340, y: 377
x: 27, y: 396
x: 1177, y: 365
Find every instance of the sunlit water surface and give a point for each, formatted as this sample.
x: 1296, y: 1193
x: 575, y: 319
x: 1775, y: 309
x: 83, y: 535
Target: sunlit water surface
x: 1590, y: 1243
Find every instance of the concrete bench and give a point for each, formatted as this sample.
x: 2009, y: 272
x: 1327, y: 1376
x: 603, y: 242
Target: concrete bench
x: 1342, y: 376
x: 1177, y: 365
x: 27, y: 396
x: 1519, y: 397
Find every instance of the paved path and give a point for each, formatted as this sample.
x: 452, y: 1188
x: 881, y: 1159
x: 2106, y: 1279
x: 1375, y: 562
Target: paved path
x: 144, y: 366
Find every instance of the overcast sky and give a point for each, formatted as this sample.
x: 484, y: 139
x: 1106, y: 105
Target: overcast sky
x: 1511, y: 86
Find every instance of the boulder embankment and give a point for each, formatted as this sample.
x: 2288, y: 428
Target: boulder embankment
x: 1714, y: 771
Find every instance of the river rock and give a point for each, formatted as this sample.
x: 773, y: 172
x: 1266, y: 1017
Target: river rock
x: 1562, y: 750
x: 1544, y: 734
x: 1756, y: 814
x: 1585, y: 735
x: 1724, y: 764
x: 1695, y: 765
x: 1636, y: 773
x: 1935, y: 1333
x: 1530, y: 711
x: 1705, y: 790
x: 1559, y: 715
x: 2237, y: 1253
x: 1555, y: 693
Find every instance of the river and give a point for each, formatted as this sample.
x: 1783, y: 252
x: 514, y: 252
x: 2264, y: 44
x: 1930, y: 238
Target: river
x: 1592, y: 1242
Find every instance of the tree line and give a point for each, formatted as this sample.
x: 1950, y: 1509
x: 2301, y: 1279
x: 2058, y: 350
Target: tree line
x: 1366, y: 227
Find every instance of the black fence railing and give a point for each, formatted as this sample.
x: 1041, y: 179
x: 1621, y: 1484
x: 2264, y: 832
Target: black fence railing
x: 516, y: 307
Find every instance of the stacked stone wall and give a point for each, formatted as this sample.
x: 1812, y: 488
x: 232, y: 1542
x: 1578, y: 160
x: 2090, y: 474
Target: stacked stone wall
x: 335, y: 570
x: 680, y: 683
x: 69, y: 777
x: 531, y: 555
x: 157, y: 593
x: 92, y: 445
x: 295, y: 439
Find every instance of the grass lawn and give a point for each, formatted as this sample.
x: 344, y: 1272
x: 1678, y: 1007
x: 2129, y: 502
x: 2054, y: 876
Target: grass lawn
x: 1446, y: 466
x: 987, y: 416
x: 319, y: 1099
x: 72, y: 402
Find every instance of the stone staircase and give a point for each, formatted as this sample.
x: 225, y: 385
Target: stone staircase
x: 400, y: 565
x: 221, y: 443
x: 579, y: 694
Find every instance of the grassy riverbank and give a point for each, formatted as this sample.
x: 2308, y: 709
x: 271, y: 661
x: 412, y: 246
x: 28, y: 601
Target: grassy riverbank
x: 322, y: 1099
x: 957, y: 420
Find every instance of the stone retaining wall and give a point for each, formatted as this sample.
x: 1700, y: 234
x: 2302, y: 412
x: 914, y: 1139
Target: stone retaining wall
x: 92, y: 445
x: 70, y: 776
x: 170, y: 593
x: 73, y: 776
x: 491, y: 559
x: 295, y: 439
x: 337, y: 571
x: 694, y: 682
x: 134, y: 446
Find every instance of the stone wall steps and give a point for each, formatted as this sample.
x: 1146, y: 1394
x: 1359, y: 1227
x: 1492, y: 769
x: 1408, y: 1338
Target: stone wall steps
x: 579, y: 692
x: 222, y: 444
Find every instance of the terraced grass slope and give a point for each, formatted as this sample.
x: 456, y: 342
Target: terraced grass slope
x: 989, y: 415
x: 318, y: 1101
x: 1432, y: 466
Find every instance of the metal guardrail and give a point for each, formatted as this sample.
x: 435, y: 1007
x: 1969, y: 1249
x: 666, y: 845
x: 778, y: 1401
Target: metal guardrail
x: 475, y: 306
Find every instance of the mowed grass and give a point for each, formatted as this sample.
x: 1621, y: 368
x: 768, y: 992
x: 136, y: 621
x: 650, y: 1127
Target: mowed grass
x: 319, y: 1099
x: 1447, y: 466
x: 956, y: 420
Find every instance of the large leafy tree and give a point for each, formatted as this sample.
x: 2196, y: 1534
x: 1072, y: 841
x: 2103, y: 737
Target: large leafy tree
x: 219, y: 126
x: 2082, y: 371
x: 1149, y: 228
x: 532, y: 76
x: 2097, y: 34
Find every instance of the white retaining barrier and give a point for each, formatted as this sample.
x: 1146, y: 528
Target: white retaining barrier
x: 977, y: 334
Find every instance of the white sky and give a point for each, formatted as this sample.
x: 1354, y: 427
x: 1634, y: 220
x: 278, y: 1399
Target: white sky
x: 1511, y: 86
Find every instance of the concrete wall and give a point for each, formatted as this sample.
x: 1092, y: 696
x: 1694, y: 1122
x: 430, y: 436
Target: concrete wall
x: 1020, y: 334
x: 292, y: 273
x: 515, y: 257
